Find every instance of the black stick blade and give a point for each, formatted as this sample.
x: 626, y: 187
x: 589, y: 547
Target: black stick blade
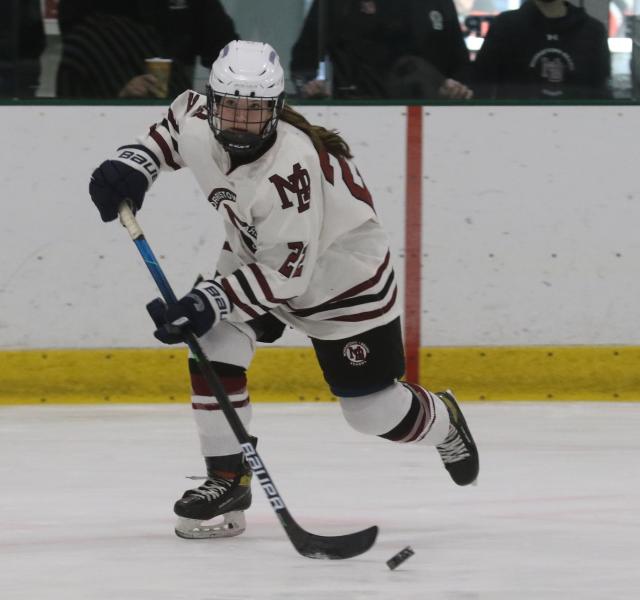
x: 327, y: 547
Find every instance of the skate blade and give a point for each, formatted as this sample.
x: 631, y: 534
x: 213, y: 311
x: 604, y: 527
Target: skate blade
x: 233, y: 524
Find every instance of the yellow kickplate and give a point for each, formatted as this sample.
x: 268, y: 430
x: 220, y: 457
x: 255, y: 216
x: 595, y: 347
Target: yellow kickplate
x: 89, y: 376
x: 293, y: 375
x: 599, y: 373
x: 147, y: 375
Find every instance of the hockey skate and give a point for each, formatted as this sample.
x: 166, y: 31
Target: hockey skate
x: 220, y: 497
x: 458, y: 450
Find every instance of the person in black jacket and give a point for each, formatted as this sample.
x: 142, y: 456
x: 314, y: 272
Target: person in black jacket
x: 382, y: 49
x: 106, y: 42
x: 22, y: 42
x: 547, y: 49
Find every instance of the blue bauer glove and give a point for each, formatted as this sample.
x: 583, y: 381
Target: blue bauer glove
x: 204, y: 306
x: 111, y: 183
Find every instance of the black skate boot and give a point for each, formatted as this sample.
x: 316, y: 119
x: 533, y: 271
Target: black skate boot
x: 458, y: 450
x: 225, y: 493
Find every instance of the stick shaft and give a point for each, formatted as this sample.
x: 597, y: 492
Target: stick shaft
x: 128, y: 219
x: 307, y: 544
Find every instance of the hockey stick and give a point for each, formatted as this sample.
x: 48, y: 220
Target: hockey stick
x: 307, y: 544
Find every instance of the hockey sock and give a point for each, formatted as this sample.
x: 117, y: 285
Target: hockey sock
x: 376, y: 413
x: 427, y: 420
x: 216, y: 437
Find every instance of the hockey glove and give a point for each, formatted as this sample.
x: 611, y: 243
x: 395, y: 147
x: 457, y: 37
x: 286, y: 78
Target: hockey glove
x: 111, y: 183
x: 205, y: 305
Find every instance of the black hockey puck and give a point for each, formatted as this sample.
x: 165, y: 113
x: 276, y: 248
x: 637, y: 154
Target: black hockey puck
x: 398, y: 559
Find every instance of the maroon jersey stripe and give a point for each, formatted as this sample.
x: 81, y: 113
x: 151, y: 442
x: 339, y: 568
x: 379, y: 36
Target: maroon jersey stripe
x: 325, y: 165
x: 166, y: 151
x: 365, y: 285
x: 235, y: 300
x: 372, y: 314
x: 173, y: 121
x: 264, y: 286
x: 350, y: 293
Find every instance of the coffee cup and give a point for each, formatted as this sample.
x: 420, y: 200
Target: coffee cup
x: 160, y: 68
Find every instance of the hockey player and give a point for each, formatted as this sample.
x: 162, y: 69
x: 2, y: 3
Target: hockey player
x: 304, y: 247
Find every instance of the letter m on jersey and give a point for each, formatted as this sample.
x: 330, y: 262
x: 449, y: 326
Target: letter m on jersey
x: 297, y: 184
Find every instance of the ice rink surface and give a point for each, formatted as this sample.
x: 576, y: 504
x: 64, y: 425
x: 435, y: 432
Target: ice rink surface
x: 86, y: 495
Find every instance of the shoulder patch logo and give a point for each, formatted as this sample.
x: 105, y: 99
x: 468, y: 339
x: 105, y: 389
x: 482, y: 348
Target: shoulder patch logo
x: 220, y: 194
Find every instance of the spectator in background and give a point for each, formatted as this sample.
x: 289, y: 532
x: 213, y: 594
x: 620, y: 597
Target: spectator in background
x: 382, y: 49
x: 106, y: 42
x: 545, y: 49
x: 22, y: 42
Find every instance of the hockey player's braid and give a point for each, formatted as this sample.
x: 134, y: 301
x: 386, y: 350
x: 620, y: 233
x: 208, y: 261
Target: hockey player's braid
x: 323, y: 139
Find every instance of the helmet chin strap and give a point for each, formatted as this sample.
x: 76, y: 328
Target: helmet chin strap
x: 243, y: 144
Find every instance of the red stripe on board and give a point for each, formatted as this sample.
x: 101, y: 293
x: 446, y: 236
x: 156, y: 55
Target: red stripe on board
x: 413, y: 243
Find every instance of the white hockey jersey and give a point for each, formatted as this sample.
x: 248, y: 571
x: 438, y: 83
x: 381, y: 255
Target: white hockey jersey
x: 303, y: 239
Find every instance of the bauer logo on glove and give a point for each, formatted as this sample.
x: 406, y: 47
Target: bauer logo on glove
x: 197, y: 312
x: 219, y: 296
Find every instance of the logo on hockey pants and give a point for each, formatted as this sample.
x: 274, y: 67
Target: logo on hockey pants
x: 356, y: 353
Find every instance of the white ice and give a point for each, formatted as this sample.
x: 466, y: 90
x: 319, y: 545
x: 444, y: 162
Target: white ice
x: 86, y: 496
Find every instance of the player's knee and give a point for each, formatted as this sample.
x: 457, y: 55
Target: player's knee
x: 378, y: 412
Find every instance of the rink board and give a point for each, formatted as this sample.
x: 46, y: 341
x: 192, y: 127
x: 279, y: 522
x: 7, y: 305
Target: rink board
x: 284, y: 374
x: 514, y: 237
x: 528, y: 232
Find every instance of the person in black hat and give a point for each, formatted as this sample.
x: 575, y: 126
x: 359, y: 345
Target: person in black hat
x: 382, y: 49
x: 547, y: 49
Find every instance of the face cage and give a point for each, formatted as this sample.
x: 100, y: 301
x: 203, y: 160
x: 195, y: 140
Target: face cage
x: 243, y: 142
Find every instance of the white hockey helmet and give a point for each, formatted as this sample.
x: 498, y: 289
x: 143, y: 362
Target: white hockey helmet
x: 246, y: 70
